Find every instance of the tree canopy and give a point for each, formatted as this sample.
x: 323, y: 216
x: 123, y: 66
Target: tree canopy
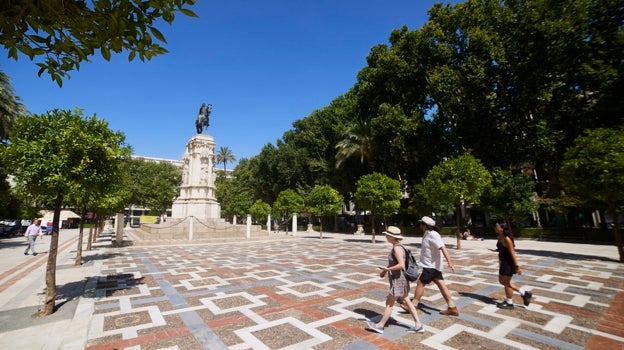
x: 57, y: 154
x: 323, y: 201
x: 593, y: 170
x: 379, y: 194
x: 288, y: 202
x: 154, y: 185
x: 224, y: 156
x: 514, y: 83
x: 66, y: 33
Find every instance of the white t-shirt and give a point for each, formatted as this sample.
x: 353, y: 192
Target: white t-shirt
x: 430, y: 255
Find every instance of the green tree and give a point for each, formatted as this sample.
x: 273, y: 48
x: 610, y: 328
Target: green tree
x: 10, y: 107
x: 80, y: 154
x: 260, y: 211
x: 357, y: 141
x: 510, y: 196
x: 101, y: 202
x: 517, y: 82
x: 593, y: 170
x: 224, y: 156
x: 288, y: 202
x: 162, y: 185
x: 153, y: 185
x: 454, y: 182
x: 380, y: 194
x: 225, y: 190
x: 239, y: 205
x: 66, y: 33
x: 323, y: 201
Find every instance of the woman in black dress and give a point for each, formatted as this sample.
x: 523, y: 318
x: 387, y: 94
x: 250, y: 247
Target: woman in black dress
x: 505, y: 246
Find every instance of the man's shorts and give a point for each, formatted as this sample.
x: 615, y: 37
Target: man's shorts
x: 428, y: 275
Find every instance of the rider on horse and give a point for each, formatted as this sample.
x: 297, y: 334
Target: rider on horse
x: 203, y: 120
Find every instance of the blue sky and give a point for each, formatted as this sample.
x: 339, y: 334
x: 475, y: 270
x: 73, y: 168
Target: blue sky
x: 261, y: 64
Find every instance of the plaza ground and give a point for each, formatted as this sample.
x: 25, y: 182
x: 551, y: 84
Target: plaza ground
x: 302, y: 292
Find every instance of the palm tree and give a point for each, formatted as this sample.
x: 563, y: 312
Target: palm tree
x: 357, y: 141
x: 225, y: 155
x: 10, y: 107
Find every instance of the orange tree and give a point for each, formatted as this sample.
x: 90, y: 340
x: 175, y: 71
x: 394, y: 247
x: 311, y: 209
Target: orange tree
x: 57, y: 154
x: 380, y: 194
x: 323, y: 201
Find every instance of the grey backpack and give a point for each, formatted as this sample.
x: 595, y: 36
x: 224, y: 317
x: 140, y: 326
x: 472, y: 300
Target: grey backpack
x: 411, y: 266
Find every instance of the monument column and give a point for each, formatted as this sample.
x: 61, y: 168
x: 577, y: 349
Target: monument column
x: 197, y: 193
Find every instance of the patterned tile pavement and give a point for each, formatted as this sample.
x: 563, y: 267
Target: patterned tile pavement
x: 311, y: 293
x: 303, y: 293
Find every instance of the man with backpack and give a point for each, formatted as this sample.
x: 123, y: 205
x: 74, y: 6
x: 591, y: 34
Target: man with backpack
x: 431, y: 251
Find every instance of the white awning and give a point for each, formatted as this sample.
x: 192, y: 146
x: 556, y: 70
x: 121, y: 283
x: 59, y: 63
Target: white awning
x: 65, y: 215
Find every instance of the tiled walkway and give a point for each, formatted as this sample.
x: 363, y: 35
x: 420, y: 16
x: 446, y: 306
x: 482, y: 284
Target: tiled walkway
x: 311, y: 293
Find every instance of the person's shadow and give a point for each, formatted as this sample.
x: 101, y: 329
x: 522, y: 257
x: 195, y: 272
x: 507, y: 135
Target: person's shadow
x: 482, y: 298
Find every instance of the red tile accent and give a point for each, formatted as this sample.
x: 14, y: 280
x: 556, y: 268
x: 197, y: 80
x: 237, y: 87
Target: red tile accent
x: 34, y: 263
x: 611, y: 322
x: 143, y: 339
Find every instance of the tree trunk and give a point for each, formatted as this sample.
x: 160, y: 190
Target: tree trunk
x: 458, y: 219
x: 96, y: 227
x: 90, y: 236
x: 78, y: 260
x: 50, y: 297
x: 373, y: 227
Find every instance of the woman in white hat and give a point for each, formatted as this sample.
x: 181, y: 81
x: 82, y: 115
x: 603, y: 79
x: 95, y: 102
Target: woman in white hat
x: 399, y: 285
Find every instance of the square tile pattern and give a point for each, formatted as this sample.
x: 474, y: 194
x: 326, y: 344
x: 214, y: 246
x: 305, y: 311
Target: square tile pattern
x: 305, y: 293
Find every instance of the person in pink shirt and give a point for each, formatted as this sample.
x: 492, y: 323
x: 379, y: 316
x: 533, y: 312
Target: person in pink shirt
x: 31, y: 234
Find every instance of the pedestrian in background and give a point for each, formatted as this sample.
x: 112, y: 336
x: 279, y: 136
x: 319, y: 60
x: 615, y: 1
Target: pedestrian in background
x: 509, y: 266
x: 399, y: 285
x: 431, y: 251
x: 31, y: 234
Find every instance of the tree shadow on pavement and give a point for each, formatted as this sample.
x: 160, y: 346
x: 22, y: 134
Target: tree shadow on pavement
x: 66, y: 301
x: 94, y: 257
x: 563, y: 255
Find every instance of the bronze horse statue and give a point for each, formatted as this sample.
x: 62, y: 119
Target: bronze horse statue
x: 203, y: 118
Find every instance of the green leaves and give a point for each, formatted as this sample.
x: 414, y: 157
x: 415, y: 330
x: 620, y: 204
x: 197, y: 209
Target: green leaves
x: 63, y: 152
x: 324, y: 200
x: 378, y: 193
x: 76, y: 30
x: 456, y: 180
x: 594, y: 166
x: 288, y: 202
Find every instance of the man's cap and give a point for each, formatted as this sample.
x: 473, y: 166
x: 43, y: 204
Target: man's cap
x: 427, y: 221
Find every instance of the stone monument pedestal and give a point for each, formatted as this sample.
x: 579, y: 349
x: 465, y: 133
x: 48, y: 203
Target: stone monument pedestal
x: 197, y: 193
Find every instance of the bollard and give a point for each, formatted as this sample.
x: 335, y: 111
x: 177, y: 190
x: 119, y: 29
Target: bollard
x: 294, y: 225
x: 248, y: 230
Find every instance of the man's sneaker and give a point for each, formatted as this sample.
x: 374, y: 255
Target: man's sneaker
x: 527, y: 298
x: 373, y: 327
x: 451, y: 311
x: 505, y: 305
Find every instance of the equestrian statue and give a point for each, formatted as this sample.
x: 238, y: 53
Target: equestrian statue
x: 203, y: 118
